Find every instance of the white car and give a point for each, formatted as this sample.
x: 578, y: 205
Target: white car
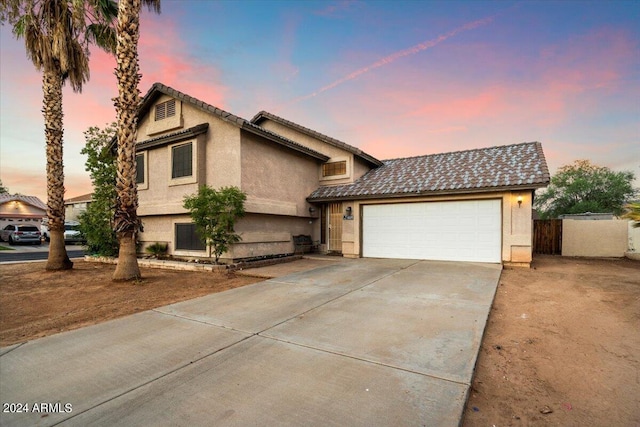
x: 72, y: 233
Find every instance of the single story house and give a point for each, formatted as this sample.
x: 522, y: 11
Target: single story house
x: 473, y: 205
x: 16, y: 209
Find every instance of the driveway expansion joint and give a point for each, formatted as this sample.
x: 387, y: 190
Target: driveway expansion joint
x: 16, y: 346
x: 373, y: 362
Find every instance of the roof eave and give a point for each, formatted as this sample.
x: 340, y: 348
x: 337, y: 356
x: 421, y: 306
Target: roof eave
x: 429, y: 193
x: 159, y: 88
x: 264, y: 115
x: 256, y: 130
x: 174, y: 137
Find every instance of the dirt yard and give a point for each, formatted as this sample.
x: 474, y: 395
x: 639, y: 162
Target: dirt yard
x: 562, y: 346
x: 35, y: 303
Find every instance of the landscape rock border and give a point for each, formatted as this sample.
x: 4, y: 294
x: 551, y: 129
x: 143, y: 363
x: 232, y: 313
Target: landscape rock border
x: 195, y: 266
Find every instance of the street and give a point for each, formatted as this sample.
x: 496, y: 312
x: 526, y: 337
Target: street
x: 18, y: 253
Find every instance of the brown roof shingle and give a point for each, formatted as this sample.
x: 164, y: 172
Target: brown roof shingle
x: 480, y: 170
x: 262, y: 115
x: 158, y: 88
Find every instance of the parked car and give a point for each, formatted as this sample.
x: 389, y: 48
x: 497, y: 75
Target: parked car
x: 17, y: 233
x: 44, y: 231
x: 72, y: 233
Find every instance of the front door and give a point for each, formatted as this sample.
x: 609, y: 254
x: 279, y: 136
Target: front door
x: 334, y: 212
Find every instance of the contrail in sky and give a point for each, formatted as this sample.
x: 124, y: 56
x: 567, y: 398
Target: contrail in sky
x: 399, y: 54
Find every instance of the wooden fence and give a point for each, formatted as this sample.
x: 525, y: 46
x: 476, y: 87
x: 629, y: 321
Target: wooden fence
x: 547, y: 236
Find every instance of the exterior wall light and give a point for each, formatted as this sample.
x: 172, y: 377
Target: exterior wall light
x: 519, y: 201
x: 348, y: 211
x: 312, y: 210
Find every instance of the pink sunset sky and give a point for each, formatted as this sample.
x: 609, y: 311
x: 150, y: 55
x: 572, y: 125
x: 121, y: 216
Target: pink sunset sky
x: 395, y: 79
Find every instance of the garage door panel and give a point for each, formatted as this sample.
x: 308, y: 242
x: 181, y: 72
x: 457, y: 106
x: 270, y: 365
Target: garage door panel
x: 452, y: 231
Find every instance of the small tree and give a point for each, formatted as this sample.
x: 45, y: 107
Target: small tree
x: 215, y: 212
x: 3, y: 189
x: 584, y: 187
x: 97, y: 222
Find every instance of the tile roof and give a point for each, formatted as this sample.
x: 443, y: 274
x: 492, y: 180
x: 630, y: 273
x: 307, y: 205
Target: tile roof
x: 31, y: 200
x: 79, y: 199
x: 156, y: 88
x: 481, y: 170
x: 177, y: 136
x: 262, y: 115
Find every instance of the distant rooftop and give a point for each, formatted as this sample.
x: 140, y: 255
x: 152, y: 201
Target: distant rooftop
x: 79, y: 199
x: 31, y: 200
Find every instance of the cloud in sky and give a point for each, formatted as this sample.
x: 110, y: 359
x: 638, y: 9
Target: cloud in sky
x: 397, y: 55
x: 165, y: 57
x: 543, y: 98
x: 336, y: 8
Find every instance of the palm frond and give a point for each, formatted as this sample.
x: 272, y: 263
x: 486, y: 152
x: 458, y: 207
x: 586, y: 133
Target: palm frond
x: 152, y: 5
x: 102, y: 36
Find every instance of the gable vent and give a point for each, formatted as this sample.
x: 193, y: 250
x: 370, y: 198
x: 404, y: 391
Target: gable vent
x: 165, y: 109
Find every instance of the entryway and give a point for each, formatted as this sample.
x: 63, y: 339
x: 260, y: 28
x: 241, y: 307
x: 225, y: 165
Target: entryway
x: 334, y: 212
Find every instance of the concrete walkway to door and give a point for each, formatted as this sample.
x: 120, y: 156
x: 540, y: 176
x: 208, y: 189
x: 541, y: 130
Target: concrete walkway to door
x: 361, y: 342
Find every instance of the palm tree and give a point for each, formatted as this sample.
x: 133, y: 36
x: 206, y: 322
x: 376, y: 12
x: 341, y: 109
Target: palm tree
x: 57, y: 34
x: 126, y: 222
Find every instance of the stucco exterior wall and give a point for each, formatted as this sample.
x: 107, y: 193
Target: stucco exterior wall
x: 276, y: 180
x: 269, y: 234
x: 517, y: 226
x: 355, y: 168
x: 73, y: 211
x: 606, y: 238
x: 360, y: 168
x: 217, y: 163
x: 261, y: 235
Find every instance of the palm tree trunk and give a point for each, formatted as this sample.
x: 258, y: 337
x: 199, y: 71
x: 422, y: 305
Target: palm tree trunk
x: 52, y: 111
x: 126, y: 222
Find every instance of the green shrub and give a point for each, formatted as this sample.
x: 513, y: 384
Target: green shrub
x: 157, y: 249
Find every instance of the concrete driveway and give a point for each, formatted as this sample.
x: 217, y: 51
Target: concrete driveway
x: 360, y: 343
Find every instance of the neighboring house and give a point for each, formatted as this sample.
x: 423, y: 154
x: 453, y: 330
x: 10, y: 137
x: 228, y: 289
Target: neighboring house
x: 16, y: 209
x: 472, y: 205
x: 75, y: 206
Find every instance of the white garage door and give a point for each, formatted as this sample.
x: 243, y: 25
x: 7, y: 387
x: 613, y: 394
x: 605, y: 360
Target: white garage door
x: 448, y: 231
